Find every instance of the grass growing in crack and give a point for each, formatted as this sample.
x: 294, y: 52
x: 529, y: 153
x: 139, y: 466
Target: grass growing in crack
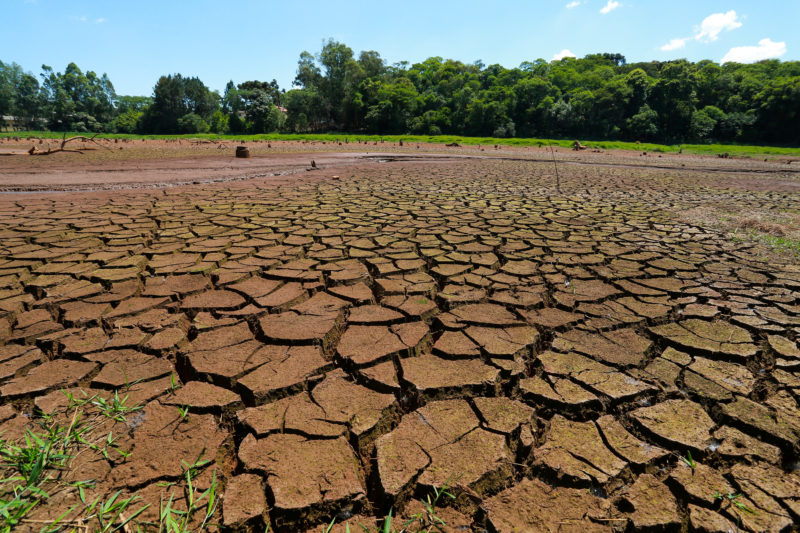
x: 426, y: 521
x: 184, y: 412
x: 690, y: 462
x: 108, y: 513
x: 733, y: 499
x: 115, y: 408
x: 192, y: 469
x: 172, y: 520
x: 173, y: 383
x: 739, y: 508
x: 109, y: 445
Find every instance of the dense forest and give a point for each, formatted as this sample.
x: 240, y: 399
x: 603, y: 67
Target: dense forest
x: 600, y: 96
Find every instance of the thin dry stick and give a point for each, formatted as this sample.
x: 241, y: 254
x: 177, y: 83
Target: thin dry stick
x: 77, y: 523
x: 127, y: 527
x: 64, y: 141
x: 69, y: 430
x: 558, y: 180
x: 580, y: 520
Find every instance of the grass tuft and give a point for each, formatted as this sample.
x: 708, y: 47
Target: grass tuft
x: 425, y: 521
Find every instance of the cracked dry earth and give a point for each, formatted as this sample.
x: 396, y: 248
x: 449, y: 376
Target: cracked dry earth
x: 345, y: 345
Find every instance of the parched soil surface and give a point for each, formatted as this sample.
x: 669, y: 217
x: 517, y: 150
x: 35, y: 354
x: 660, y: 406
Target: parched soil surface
x: 347, y: 339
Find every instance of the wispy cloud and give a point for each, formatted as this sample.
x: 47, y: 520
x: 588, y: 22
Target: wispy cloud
x: 610, y: 6
x: 572, y: 4
x: 766, y: 49
x: 715, y: 24
x: 674, y: 44
x: 562, y: 54
x: 84, y: 19
x: 708, y: 30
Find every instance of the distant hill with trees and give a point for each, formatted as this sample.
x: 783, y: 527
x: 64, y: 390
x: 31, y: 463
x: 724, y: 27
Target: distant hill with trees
x: 600, y: 97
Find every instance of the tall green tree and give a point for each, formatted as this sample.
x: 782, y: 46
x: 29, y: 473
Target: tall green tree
x: 78, y: 101
x: 175, y: 97
x: 21, y: 96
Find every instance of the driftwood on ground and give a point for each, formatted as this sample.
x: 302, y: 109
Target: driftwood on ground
x: 64, y: 141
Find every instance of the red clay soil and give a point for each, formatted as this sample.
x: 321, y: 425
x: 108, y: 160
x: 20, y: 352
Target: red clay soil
x: 337, y: 343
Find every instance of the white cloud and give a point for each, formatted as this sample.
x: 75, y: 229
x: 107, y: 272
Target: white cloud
x: 572, y: 4
x: 610, y: 6
x: 562, y: 54
x: 100, y: 20
x: 674, y: 44
x: 708, y: 30
x: 766, y: 49
x: 715, y: 23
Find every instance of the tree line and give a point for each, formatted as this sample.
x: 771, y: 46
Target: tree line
x: 600, y: 96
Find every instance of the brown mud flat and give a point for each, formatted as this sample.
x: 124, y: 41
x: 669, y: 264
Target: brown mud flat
x: 133, y: 164
x: 348, y: 338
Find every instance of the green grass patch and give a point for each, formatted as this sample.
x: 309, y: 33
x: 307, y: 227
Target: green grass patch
x: 778, y: 243
x: 781, y: 243
x: 708, y: 149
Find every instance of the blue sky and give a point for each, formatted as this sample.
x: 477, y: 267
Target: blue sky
x: 135, y: 42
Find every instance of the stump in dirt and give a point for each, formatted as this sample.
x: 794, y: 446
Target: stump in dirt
x: 242, y: 151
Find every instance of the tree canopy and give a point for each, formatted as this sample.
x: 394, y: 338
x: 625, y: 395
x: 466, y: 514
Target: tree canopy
x: 600, y: 96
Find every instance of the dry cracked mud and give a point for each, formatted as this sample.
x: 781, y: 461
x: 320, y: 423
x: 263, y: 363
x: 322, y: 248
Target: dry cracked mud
x: 345, y: 344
